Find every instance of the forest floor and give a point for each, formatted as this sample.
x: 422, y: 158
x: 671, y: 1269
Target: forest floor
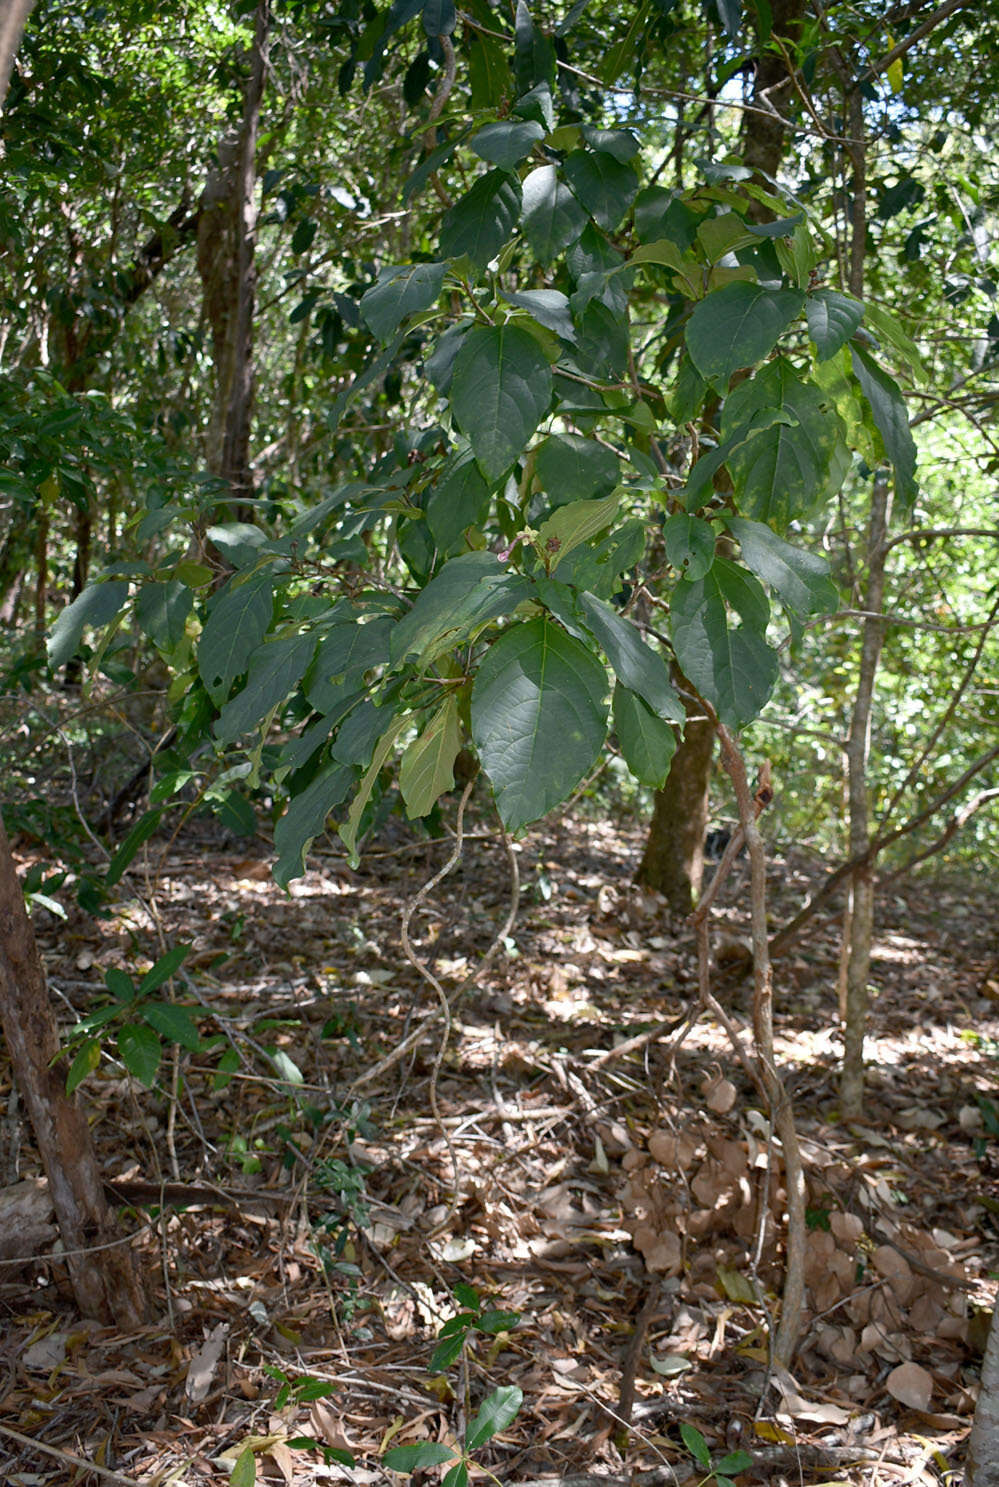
x: 307, y: 1224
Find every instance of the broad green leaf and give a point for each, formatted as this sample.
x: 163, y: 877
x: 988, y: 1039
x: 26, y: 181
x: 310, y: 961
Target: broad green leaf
x: 120, y: 984
x: 888, y: 407
x: 635, y: 664
x: 538, y: 718
x: 573, y: 524
x: 235, y: 626
x: 508, y: 143
x: 483, y: 220
x: 738, y: 326
x: 244, y: 1472
x: 537, y: 104
x: 620, y: 143
x: 97, y: 605
x: 349, y: 829
x: 456, y: 1477
x: 597, y: 566
x: 446, y: 1351
x: 140, y: 832
x: 274, y: 671
x: 305, y: 818
x: 498, y: 1411
x: 427, y: 768
x: 411, y: 1458
x: 438, y: 17
x: 734, y: 1463
x: 835, y: 378
x: 553, y: 218
x: 832, y: 320
x: 401, y: 292
x: 459, y: 500
x: 787, y: 469
x: 468, y: 591
x: 88, y: 1056
x: 549, y: 307
x: 801, y: 578
x: 159, y: 974
x: 733, y: 668
x: 647, y: 742
x: 161, y: 610
x: 239, y: 542
x: 689, y: 542
x: 174, y: 1023
x: 571, y: 468
x: 744, y: 593
x: 488, y: 72
x: 345, y: 653
x: 699, y: 486
x: 358, y: 734
x: 603, y: 346
x: 696, y: 1445
x: 889, y: 331
x: 534, y: 55
x: 604, y: 185
x: 494, y: 1322
x: 500, y: 391
x: 140, y: 1051
x: 725, y: 234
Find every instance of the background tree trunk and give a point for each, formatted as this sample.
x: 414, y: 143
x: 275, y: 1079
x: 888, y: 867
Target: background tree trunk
x: 104, y: 1280
x: 673, y: 860
x: 13, y: 15
x: 982, y: 1465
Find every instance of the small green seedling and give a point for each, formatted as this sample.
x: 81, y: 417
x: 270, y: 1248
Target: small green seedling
x: 720, y: 1472
x: 143, y: 1023
x: 497, y: 1412
x: 457, y: 1330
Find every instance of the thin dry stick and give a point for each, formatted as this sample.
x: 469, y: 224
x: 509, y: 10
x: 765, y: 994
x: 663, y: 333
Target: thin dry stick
x: 77, y: 1462
x: 751, y: 807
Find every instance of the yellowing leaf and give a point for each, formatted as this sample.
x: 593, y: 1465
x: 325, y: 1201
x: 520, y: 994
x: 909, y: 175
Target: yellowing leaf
x: 428, y: 764
x: 894, y: 72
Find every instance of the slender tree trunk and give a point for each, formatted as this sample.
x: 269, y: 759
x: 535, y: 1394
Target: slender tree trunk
x: 673, y: 861
x: 101, y: 1270
x: 982, y: 1464
x: 13, y: 15
x: 227, y: 265
x: 859, y: 922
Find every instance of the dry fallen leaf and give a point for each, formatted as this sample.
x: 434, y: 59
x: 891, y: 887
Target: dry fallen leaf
x: 201, y: 1369
x: 911, y: 1385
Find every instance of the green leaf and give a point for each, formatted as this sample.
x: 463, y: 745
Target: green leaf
x: 97, y: 605
x: 571, y: 468
x: 696, y: 1445
x: 87, y: 1058
x: 508, y: 143
x: 140, y: 832
x: 734, y: 1463
x: 447, y: 1351
x: 483, y: 220
x: 634, y: 663
x: 412, y: 1458
x: 500, y: 391
x: 802, y: 579
x: 234, y: 628
x: 738, y: 326
x: 159, y: 974
x: 244, y: 1473
x: 140, y: 1051
x: 359, y: 733
x: 553, y: 218
x: 306, y: 817
x: 459, y: 500
x: 120, y: 985
x: 349, y: 829
x: 604, y: 185
x: 274, y: 671
x: 427, y: 768
x: 620, y: 143
x: 647, y: 742
x: 549, y: 307
x: 344, y: 655
x: 689, y: 543
x: 466, y: 1295
x: 892, y: 422
x: 537, y: 104
x: 786, y: 469
x: 173, y: 1023
x: 571, y: 525
x: 401, y: 292
x: 534, y: 56
x: 733, y: 668
x: 468, y: 591
x: 161, y: 609
x: 889, y: 331
x: 456, y: 1477
x: 538, y: 718
x: 498, y: 1411
x: 493, y: 1322
x: 438, y: 17
x: 832, y: 320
